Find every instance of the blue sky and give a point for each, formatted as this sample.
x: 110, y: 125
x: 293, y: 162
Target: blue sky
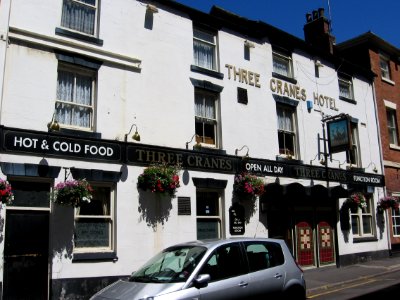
x: 350, y: 18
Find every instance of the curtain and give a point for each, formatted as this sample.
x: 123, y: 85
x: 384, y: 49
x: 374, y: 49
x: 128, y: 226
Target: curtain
x: 78, y: 16
x: 205, y: 106
x: 284, y: 120
x: 203, y: 55
x: 76, y: 89
x: 280, y: 66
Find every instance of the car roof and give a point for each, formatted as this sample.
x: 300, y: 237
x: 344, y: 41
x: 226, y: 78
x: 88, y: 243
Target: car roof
x: 211, y: 243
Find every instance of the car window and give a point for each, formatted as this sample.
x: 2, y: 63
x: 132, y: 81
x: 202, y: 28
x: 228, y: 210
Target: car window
x: 263, y: 255
x: 175, y: 264
x: 225, y: 262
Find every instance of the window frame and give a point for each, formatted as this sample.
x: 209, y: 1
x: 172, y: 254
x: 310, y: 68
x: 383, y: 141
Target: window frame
x: 355, y: 150
x: 395, y: 216
x: 219, y: 217
x: 214, y: 45
x: 384, y: 61
x: 346, y: 82
x: 284, y: 58
x: 393, y: 132
x: 360, y: 214
x: 96, y: 8
x: 200, y: 138
x: 110, y: 218
x: 294, y: 134
x: 81, y: 71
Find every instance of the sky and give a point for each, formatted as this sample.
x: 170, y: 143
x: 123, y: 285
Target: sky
x: 349, y: 18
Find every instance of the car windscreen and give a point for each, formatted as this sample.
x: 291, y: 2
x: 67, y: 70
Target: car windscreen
x: 174, y: 264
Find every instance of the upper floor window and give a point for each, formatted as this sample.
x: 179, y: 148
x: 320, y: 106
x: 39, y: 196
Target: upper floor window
x: 75, y: 97
x: 346, y: 87
x: 205, y: 49
x: 354, y: 157
x: 94, y: 221
x: 287, y: 130
x: 80, y: 16
x: 384, y: 62
x: 392, y: 126
x: 206, y: 120
x: 282, y: 64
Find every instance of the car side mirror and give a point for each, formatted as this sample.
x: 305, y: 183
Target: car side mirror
x: 201, y: 281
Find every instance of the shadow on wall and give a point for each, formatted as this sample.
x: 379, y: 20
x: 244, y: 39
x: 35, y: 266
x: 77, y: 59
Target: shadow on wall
x: 63, y: 223
x: 380, y: 222
x: 154, y: 208
x: 248, y: 202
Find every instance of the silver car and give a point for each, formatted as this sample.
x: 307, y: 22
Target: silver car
x: 237, y: 268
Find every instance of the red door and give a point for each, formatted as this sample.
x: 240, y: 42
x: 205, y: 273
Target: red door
x: 305, y: 244
x: 325, y: 243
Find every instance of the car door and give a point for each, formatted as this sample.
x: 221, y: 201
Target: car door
x: 228, y: 271
x: 266, y: 264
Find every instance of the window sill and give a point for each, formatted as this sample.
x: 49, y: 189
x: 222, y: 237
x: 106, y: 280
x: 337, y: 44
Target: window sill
x: 84, y: 134
x: 283, y: 77
x: 105, y: 256
x: 207, y: 72
x: 348, y: 100
x: 287, y: 158
x: 387, y: 80
x: 394, y: 147
x: 365, y: 239
x: 78, y: 36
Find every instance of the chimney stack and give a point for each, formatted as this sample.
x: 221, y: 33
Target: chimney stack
x: 317, y: 31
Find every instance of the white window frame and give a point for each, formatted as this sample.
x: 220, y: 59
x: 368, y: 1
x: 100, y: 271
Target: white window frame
x: 81, y: 3
x: 293, y: 119
x: 212, y: 42
x: 392, y: 126
x: 219, y: 217
x: 201, y: 119
x: 384, y: 64
x: 346, y: 83
x: 283, y: 60
x: 60, y: 103
x: 355, y: 145
x: 395, y: 215
x: 110, y: 218
x: 359, y: 215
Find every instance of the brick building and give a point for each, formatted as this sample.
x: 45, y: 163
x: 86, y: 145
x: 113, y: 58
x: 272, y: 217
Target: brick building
x: 383, y: 59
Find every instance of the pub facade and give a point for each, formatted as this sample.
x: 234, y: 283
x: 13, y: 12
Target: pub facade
x: 217, y: 96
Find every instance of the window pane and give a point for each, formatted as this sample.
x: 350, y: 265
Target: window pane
x: 355, y: 225
x: 78, y: 16
x: 208, y: 229
x: 281, y: 65
x: 207, y: 203
x: 367, y: 224
x: 203, y: 55
x: 30, y: 194
x: 92, y: 233
x: 385, y: 68
x: 99, y: 205
x: 392, y: 126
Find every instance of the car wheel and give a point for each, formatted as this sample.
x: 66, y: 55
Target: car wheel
x: 295, y: 293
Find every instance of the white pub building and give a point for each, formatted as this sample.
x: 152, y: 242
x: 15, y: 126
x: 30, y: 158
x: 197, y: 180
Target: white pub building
x: 102, y: 89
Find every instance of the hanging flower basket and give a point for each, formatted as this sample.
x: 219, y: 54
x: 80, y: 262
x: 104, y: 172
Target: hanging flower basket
x: 357, y: 200
x: 6, y: 194
x: 246, y: 184
x: 160, y: 178
x: 73, y: 192
x: 388, y: 202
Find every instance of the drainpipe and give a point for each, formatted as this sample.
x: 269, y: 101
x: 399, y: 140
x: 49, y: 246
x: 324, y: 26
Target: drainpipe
x: 5, y: 13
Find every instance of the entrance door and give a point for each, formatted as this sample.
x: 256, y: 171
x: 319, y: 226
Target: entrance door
x: 26, y: 252
x: 326, y: 249
x: 305, y: 244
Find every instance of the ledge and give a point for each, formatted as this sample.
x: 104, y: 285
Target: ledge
x: 104, y: 256
x: 283, y: 77
x: 208, y: 72
x: 352, y: 101
x: 79, y: 36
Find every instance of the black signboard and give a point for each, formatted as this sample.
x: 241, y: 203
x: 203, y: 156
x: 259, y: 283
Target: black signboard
x: 236, y: 219
x: 41, y: 144
x: 339, y: 135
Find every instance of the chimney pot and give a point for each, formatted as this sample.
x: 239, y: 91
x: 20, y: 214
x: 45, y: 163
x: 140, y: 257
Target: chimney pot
x: 321, y: 12
x: 315, y: 14
x: 308, y: 17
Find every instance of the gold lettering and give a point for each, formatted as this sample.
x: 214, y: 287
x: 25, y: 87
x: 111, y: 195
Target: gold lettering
x: 257, y: 84
x: 229, y: 70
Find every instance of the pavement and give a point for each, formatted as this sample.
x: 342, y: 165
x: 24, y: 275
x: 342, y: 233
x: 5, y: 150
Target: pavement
x: 324, y: 279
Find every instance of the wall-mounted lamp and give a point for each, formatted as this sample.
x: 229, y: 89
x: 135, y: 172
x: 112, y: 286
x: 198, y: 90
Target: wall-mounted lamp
x: 249, y: 44
x: 197, y: 145
x: 53, y: 124
x: 244, y: 146
x: 152, y: 8
x: 374, y: 169
x: 135, y: 136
